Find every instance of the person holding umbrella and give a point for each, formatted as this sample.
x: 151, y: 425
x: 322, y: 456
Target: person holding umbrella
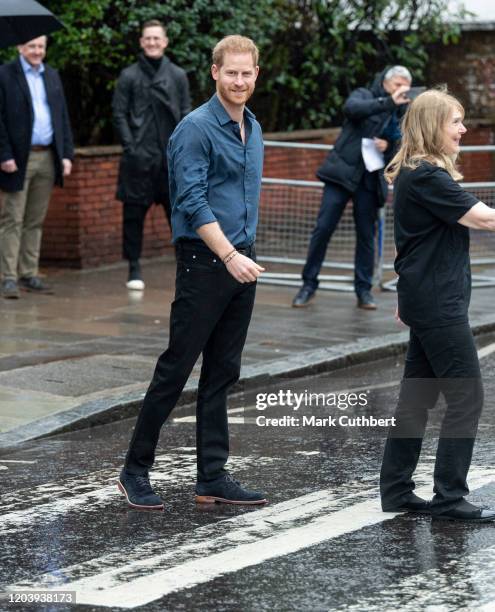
x: 36, y: 152
x: 432, y: 217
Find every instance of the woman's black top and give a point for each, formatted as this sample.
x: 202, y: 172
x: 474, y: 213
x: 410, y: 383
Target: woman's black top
x: 432, y: 260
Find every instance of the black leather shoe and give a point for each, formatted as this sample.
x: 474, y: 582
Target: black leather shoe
x: 303, y: 297
x: 138, y: 492
x: 35, y: 285
x: 467, y: 512
x: 10, y: 290
x: 365, y: 301
x: 412, y: 503
x: 227, y: 490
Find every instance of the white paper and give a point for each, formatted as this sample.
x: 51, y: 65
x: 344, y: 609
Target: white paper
x: 372, y: 157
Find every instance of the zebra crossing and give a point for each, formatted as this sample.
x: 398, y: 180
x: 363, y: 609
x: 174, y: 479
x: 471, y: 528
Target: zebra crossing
x: 147, y: 572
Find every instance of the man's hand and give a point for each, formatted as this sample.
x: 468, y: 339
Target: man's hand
x: 9, y: 166
x: 67, y: 167
x: 399, y: 96
x: 244, y: 269
x: 381, y: 144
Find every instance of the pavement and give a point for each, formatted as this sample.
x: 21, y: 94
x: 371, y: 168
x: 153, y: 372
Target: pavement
x: 85, y: 355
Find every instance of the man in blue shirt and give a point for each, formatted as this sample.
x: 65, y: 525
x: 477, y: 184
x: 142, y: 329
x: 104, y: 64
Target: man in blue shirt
x: 36, y: 152
x: 215, y: 159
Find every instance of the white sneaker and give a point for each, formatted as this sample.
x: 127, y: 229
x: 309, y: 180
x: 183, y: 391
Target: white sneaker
x: 135, y: 285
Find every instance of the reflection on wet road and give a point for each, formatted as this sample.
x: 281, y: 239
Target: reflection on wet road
x: 321, y: 544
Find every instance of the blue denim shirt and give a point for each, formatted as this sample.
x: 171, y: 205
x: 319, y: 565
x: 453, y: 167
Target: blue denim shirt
x: 213, y: 175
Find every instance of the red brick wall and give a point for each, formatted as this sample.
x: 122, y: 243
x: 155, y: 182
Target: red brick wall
x: 301, y: 164
x: 83, y: 227
x: 468, y: 69
x: 478, y: 166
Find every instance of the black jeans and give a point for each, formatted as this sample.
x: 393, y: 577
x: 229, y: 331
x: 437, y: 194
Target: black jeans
x: 210, y: 315
x: 133, y: 228
x: 365, y: 207
x: 440, y: 360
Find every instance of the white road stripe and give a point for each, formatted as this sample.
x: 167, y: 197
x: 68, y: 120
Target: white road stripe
x: 240, y: 542
x: 486, y: 350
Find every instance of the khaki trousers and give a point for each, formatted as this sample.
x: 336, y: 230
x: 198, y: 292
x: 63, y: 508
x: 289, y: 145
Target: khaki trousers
x: 22, y: 216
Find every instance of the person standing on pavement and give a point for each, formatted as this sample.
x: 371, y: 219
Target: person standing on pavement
x: 372, y: 113
x: 432, y: 217
x: 150, y: 99
x: 215, y: 160
x: 36, y: 152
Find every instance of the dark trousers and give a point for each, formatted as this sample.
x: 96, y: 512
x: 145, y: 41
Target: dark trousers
x: 210, y: 315
x: 133, y: 228
x: 441, y: 360
x: 365, y: 207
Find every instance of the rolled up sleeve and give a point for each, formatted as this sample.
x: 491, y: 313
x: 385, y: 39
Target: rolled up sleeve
x: 189, y: 160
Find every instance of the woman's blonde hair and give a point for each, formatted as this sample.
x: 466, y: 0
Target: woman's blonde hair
x: 423, y: 134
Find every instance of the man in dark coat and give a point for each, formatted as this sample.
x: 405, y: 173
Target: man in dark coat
x: 36, y: 151
x: 372, y: 113
x: 150, y: 99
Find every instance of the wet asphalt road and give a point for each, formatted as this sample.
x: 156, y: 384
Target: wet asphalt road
x: 321, y: 544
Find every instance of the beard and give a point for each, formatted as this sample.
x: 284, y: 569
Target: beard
x: 228, y: 93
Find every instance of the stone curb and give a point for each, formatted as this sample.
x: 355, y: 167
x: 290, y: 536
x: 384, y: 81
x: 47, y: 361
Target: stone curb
x: 306, y: 363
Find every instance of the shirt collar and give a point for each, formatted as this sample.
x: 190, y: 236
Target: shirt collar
x: 26, y: 66
x: 221, y: 114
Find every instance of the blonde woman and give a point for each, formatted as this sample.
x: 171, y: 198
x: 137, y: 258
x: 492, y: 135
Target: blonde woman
x: 432, y: 217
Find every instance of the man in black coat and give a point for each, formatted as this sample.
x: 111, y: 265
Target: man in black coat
x: 150, y: 99
x: 36, y: 152
x: 373, y: 114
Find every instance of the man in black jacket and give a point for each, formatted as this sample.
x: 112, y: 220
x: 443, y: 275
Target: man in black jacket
x: 36, y: 151
x: 150, y: 99
x: 372, y: 113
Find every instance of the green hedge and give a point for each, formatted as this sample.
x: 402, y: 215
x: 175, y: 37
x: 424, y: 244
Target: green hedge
x: 313, y: 52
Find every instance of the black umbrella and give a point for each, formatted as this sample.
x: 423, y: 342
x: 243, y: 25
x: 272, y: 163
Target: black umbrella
x: 23, y: 20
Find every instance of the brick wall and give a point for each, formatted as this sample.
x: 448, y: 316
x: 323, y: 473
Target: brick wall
x: 468, y: 69
x: 83, y: 227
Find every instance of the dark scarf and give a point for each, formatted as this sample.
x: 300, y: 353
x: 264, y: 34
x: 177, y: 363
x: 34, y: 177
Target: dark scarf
x: 149, y: 65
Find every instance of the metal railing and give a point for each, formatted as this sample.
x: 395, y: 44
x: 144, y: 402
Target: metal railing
x: 288, y: 212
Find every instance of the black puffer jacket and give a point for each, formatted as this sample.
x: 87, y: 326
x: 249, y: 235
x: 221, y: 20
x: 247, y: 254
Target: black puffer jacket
x: 367, y: 112
x: 147, y: 105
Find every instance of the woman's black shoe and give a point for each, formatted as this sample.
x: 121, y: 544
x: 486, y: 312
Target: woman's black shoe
x: 412, y: 503
x: 466, y: 512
